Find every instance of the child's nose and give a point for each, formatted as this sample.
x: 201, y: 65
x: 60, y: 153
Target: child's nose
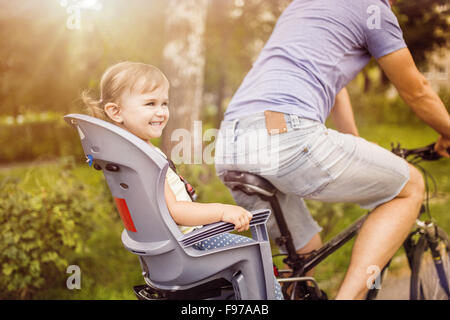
x: 161, y: 110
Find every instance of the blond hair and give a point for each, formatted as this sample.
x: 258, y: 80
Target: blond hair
x: 118, y: 78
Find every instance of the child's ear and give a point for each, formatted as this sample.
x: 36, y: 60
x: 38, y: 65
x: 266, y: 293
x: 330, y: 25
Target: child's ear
x: 112, y: 110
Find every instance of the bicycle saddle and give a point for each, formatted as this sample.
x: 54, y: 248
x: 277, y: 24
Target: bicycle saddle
x: 249, y: 183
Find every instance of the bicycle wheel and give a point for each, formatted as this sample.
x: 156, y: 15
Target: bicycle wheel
x: 429, y: 276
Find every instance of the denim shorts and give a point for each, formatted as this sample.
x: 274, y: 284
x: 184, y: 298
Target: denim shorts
x: 308, y: 161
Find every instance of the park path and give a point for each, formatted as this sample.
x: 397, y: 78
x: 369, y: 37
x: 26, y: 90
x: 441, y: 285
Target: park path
x: 395, y: 287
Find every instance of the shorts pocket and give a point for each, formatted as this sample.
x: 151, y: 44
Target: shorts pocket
x: 298, y: 175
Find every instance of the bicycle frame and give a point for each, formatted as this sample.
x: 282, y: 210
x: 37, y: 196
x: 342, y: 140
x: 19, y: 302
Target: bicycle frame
x: 302, y: 265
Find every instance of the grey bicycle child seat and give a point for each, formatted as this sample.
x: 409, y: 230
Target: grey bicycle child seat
x: 135, y: 174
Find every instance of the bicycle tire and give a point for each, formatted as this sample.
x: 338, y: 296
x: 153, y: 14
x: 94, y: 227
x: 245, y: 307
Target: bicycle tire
x: 425, y: 283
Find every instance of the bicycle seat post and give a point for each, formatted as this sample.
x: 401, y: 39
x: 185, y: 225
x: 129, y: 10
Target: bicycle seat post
x: 252, y: 184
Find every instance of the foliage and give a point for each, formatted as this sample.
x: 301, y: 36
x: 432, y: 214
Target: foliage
x: 372, y: 107
x: 48, y: 65
x: 235, y: 33
x: 44, y: 228
x: 444, y: 94
x: 425, y: 24
x: 38, y: 140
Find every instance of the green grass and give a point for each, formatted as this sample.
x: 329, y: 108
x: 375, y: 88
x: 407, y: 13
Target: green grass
x: 108, y: 271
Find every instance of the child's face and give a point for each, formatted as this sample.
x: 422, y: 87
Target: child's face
x: 145, y: 114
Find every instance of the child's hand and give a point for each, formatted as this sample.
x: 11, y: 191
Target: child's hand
x: 237, y: 216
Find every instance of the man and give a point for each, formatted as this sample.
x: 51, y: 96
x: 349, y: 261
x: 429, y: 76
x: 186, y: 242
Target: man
x: 299, y: 79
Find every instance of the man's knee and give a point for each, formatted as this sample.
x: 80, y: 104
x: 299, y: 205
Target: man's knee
x: 313, y: 244
x: 415, y: 187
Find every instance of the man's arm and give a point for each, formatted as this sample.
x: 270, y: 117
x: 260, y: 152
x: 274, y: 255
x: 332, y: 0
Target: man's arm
x: 342, y: 114
x: 416, y: 91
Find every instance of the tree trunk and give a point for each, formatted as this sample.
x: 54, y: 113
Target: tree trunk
x: 183, y: 64
x: 220, y: 99
x: 367, y: 81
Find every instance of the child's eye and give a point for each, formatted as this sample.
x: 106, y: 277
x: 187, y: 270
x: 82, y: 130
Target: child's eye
x: 150, y: 104
x: 165, y: 104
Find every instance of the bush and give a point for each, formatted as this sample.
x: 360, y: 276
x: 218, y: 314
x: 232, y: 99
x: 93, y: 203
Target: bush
x: 374, y: 107
x: 444, y: 94
x: 42, y: 228
x: 46, y: 140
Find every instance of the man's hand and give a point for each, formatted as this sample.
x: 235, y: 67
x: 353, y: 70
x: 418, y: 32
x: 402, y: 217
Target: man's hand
x: 442, y: 145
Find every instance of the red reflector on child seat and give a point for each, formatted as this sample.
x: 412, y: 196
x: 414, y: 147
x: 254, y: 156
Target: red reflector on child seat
x: 125, y: 214
x: 275, y: 271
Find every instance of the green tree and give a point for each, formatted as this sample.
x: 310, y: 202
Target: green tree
x: 235, y: 34
x: 425, y: 24
x: 44, y: 65
x: 183, y: 63
x: 426, y: 28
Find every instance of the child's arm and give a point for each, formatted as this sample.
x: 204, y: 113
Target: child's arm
x: 193, y: 213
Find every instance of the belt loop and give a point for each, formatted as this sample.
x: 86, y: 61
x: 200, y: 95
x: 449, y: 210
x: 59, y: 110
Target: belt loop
x: 295, y: 121
x: 235, y: 123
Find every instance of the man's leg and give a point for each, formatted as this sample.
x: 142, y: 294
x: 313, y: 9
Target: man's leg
x: 296, y: 214
x: 314, y: 244
x: 381, y: 236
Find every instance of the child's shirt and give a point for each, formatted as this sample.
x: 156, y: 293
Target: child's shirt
x: 178, y: 188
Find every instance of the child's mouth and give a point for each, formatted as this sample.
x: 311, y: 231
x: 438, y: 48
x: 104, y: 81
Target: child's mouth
x: 156, y: 124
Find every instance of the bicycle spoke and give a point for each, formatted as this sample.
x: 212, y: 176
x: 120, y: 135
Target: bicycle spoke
x: 430, y: 282
x: 440, y: 269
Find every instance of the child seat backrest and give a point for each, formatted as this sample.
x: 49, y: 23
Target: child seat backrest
x: 135, y: 173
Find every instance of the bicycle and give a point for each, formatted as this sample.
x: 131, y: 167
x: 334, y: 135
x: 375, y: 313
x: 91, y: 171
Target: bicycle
x: 425, y: 244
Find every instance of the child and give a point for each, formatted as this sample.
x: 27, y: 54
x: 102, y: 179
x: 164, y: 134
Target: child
x: 135, y: 97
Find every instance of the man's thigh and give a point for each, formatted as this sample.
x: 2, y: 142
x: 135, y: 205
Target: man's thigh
x: 360, y: 171
x: 330, y: 166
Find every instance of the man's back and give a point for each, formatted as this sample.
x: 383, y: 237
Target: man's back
x: 316, y: 48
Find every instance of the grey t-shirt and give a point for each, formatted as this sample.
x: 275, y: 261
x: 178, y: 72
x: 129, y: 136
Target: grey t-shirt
x: 316, y: 48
